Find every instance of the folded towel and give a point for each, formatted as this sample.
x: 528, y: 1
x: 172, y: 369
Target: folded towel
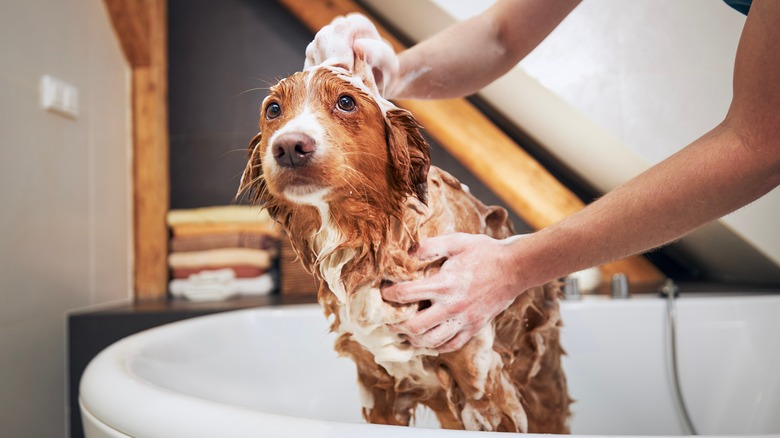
x: 219, y: 285
x: 208, y: 228
x: 203, y: 292
x: 237, y: 239
x: 229, y: 213
x: 239, y: 271
x: 257, y: 258
x: 213, y: 276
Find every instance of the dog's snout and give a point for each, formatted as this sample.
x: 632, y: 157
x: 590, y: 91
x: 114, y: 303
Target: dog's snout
x: 293, y: 149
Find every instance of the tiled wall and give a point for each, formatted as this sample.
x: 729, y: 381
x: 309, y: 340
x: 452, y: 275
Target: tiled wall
x: 65, y: 194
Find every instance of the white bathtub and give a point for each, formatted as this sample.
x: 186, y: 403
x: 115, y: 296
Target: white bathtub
x: 272, y: 372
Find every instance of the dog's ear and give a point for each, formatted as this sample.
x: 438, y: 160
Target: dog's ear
x: 497, y: 223
x: 252, y: 179
x: 409, y: 154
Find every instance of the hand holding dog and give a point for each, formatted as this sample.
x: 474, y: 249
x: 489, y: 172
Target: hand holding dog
x: 476, y: 282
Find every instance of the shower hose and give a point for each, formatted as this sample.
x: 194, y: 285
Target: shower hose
x: 670, y: 290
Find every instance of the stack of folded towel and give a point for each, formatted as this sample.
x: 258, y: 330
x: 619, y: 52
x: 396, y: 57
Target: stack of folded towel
x: 218, y: 252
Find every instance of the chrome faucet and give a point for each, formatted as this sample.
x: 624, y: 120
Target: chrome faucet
x: 571, y: 288
x: 619, y: 286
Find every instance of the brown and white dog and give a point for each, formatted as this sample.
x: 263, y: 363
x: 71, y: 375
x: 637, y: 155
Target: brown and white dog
x: 347, y: 175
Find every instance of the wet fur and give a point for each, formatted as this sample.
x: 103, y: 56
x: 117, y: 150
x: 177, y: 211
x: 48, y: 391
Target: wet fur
x: 384, y: 198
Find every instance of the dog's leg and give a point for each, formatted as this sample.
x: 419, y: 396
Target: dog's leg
x: 440, y: 405
x: 382, y: 402
x: 528, y: 335
x: 386, y: 405
x: 479, y: 389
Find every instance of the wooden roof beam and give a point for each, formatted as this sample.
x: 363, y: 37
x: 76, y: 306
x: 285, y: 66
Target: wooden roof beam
x: 501, y: 164
x: 131, y: 23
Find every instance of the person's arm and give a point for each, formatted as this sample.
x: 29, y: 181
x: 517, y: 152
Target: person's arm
x: 453, y: 63
x: 735, y: 163
x: 468, y: 55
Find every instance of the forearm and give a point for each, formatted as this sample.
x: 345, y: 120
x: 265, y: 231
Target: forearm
x: 713, y: 176
x: 469, y: 55
x: 727, y: 168
x: 730, y: 166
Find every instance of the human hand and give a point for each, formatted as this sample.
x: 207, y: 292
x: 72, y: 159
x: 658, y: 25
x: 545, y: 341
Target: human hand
x: 474, y: 284
x: 350, y: 37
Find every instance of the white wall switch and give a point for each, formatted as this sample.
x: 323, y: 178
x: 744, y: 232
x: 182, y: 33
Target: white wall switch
x: 59, y: 97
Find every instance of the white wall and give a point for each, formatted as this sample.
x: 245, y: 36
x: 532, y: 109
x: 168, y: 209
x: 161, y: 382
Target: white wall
x: 64, y: 190
x: 619, y: 86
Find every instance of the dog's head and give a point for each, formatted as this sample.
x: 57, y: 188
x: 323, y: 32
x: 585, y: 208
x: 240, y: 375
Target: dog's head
x: 327, y: 139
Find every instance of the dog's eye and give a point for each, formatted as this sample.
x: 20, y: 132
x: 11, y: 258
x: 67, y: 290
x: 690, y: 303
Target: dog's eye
x: 346, y: 104
x: 273, y: 110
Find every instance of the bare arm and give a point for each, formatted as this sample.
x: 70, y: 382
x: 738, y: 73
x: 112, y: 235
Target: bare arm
x: 453, y: 63
x: 732, y: 165
x: 735, y: 163
x: 469, y: 55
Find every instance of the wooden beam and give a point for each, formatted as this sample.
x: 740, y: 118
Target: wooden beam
x: 151, y: 179
x: 502, y: 165
x: 510, y: 172
x: 130, y: 19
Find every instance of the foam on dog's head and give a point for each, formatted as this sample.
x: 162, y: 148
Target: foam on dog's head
x: 362, y: 78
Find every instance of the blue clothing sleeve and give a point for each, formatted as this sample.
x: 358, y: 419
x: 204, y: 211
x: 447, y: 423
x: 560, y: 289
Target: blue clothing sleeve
x: 742, y: 6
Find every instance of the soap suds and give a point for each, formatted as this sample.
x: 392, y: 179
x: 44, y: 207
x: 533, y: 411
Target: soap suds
x: 365, y: 316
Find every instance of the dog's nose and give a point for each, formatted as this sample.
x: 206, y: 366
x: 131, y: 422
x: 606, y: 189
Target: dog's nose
x: 293, y: 149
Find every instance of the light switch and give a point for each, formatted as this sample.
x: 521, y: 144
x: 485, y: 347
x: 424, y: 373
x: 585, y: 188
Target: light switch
x: 59, y: 97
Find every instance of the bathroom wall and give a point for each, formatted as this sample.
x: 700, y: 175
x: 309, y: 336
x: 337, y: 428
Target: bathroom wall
x: 65, y: 196
x: 616, y: 88
x: 221, y: 63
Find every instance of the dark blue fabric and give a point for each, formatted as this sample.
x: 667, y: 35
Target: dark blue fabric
x: 740, y: 5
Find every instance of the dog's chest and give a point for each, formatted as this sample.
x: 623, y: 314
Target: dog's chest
x: 366, y: 318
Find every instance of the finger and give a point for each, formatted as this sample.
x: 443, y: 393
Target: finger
x: 361, y: 26
x: 332, y: 45
x: 336, y: 44
x: 437, y: 336
x: 337, y: 51
x: 437, y: 247
x: 456, y: 343
x: 375, y: 53
x: 381, y: 57
x: 422, y: 322
x: 311, y: 55
x: 412, y: 291
x: 324, y: 39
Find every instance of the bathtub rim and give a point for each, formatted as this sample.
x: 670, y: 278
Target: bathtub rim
x: 211, y: 417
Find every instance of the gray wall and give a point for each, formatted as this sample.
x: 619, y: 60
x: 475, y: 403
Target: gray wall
x: 65, y: 196
x: 223, y: 57
x: 222, y: 60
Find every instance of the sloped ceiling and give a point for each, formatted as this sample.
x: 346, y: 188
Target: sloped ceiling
x: 618, y: 87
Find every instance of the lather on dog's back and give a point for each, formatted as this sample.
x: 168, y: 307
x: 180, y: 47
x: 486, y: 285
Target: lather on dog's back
x: 348, y: 176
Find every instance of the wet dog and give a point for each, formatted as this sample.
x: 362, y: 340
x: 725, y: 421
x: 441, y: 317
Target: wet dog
x: 347, y: 174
